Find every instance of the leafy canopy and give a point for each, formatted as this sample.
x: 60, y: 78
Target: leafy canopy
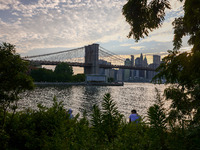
x: 143, y: 17
x: 13, y: 74
x: 64, y: 68
x: 181, y: 70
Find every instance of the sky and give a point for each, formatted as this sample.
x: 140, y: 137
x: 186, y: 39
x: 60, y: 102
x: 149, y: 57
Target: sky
x: 44, y: 26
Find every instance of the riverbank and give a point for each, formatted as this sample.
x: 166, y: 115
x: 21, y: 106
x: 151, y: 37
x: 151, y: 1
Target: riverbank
x: 80, y: 83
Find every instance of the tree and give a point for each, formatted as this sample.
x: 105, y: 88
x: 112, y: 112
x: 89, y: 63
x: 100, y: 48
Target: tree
x: 143, y: 17
x: 13, y: 77
x: 63, y: 72
x: 42, y: 74
x: 181, y: 70
x: 63, y: 68
x: 106, y: 123
x: 79, y: 78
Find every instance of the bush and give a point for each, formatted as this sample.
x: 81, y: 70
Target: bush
x: 51, y: 128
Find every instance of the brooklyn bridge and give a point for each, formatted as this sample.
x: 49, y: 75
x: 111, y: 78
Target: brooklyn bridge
x: 91, y: 57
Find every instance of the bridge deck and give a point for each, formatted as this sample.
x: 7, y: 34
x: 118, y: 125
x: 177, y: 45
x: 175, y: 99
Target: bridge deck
x: 88, y: 65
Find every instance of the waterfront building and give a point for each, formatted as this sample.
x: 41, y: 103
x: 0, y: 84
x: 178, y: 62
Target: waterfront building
x: 128, y: 62
x: 102, y: 70
x: 127, y: 71
x: 137, y: 62
x: 120, y: 74
x: 132, y: 60
x: 110, y: 73
x: 145, y: 64
x: 140, y: 62
x: 156, y: 59
x: 154, y: 65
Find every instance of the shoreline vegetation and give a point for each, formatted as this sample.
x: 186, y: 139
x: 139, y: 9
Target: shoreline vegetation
x: 79, y: 83
x: 52, y: 128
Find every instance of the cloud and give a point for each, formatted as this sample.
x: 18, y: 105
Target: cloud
x: 48, y: 24
x: 163, y: 34
x: 186, y: 49
x: 4, y: 7
x: 137, y: 47
x: 126, y: 44
x: 176, y: 5
x: 70, y: 23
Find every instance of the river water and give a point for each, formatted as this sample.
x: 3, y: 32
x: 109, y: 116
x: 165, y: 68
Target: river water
x: 139, y: 96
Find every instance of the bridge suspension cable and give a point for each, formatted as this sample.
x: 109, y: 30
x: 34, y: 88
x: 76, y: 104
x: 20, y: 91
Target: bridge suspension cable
x: 77, y: 55
x: 52, y: 53
x: 110, y: 56
x: 74, y: 55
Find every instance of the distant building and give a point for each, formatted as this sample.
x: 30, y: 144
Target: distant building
x: 151, y: 74
x: 120, y: 74
x: 132, y: 60
x: 140, y: 62
x: 131, y: 74
x: 154, y: 65
x: 127, y: 62
x: 106, y: 72
x: 145, y: 64
x: 127, y: 71
x: 137, y: 62
x: 156, y: 59
x: 112, y: 73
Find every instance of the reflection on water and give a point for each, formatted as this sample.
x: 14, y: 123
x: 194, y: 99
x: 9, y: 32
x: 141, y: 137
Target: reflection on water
x: 139, y: 96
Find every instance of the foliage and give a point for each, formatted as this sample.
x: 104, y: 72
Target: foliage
x: 107, y: 122
x: 188, y: 25
x: 180, y: 70
x: 62, y: 73
x: 110, y: 79
x: 13, y: 74
x: 51, y: 128
x: 63, y: 68
x: 13, y: 78
x: 157, y: 120
x: 78, y: 78
x: 42, y: 74
x: 144, y: 17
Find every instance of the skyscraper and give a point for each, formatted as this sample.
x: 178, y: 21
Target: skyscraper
x: 132, y: 60
x: 145, y: 64
x: 154, y: 65
x: 156, y: 59
x: 127, y: 71
x: 137, y: 62
x: 127, y: 62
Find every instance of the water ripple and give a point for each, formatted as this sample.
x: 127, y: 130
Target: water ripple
x: 139, y: 96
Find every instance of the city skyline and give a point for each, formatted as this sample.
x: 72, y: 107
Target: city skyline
x: 132, y: 75
x: 43, y: 26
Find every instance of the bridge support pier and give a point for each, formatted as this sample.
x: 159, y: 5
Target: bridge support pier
x: 92, y: 57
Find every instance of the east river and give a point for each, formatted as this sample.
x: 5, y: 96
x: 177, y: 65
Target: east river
x: 139, y: 96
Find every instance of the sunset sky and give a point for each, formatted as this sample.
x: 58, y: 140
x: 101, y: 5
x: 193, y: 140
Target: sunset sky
x: 43, y: 26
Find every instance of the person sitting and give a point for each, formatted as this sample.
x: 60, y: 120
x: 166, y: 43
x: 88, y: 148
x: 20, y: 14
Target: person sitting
x: 70, y: 113
x: 134, y: 116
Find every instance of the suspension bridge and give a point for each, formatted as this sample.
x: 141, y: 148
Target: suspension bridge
x: 91, y: 57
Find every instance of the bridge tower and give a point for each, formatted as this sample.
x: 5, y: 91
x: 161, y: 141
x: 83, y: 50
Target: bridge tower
x: 92, y: 57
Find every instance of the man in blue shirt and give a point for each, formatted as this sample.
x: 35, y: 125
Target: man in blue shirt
x: 70, y: 113
x: 134, y: 116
